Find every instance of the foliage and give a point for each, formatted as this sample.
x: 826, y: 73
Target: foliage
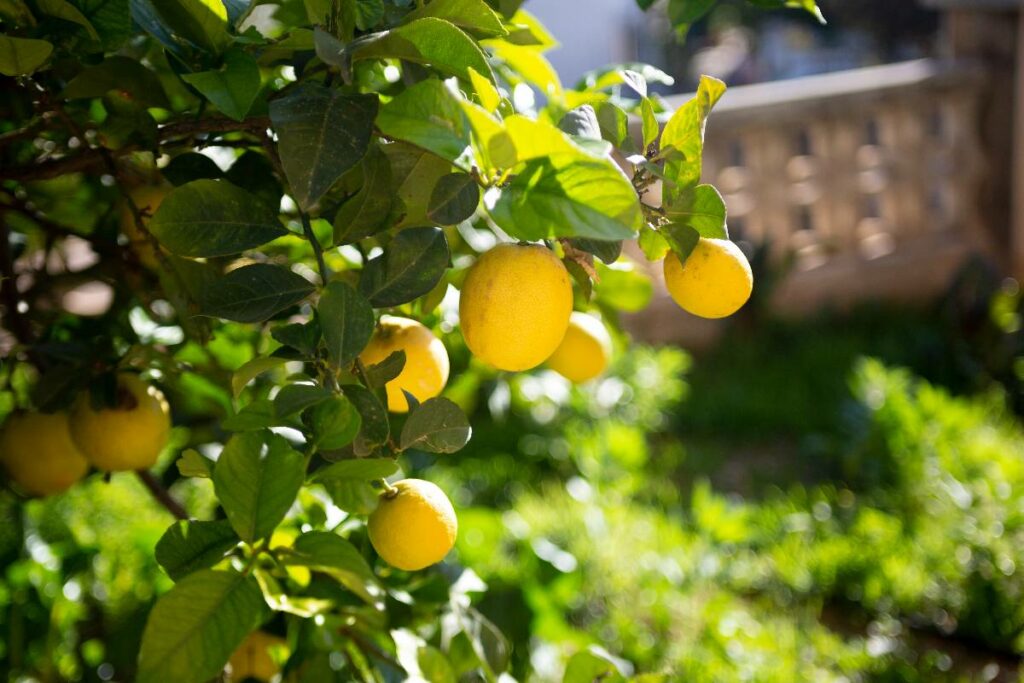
x: 249, y: 186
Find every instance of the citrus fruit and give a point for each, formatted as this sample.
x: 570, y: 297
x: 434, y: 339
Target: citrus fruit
x: 414, y: 526
x: 127, y: 436
x: 37, y: 451
x: 714, y: 282
x: 252, y: 659
x: 514, y: 306
x: 585, y: 350
x: 426, y: 360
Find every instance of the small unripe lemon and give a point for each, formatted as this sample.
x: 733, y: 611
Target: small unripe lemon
x: 585, y: 350
x: 37, y: 451
x: 714, y: 282
x: 147, y: 198
x: 252, y: 658
x: 415, y: 527
x: 128, y: 436
x: 514, y: 306
x: 426, y: 360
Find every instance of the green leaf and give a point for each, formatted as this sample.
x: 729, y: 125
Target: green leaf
x: 203, y: 23
x: 436, y: 426
x: 488, y: 95
x: 254, y: 293
x: 606, y: 251
x: 472, y: 15
x: 333, y: 555
x: 410, y: 266
x: 257, y: 366
x: 614, y: 123
x: 375, y: 428
x: 194, y: 464
x: 207, y: 218
x: 681, y: 238
x: 653, y: 244
x: 685, y: 132
x: 368, y: 211
x: 432, y: 41
x: 683, y: 13
x: 294, y: 398
x: 379, y: 374
x: 233, y: 87
x: 190, y: 166
x: 303, y: 337
x: 68, y: 12
x: 22, y: 56
x: 528, y: 62
x: 335, y: 423
x: 253, y: 172
x: 193, y: 629
x: 256, y: 479
x: 702, y: 209
x: 453, y: 199
x: 415, y: 172
x: 361, y: 469
x: 428, y: 115
x: 581, y: 122
x: 346, y: 319
x: 188, y: 546
x: 649, y: 121
x: 592, y: 664
x: 623, y: 287
x: 368, y: 13
x: 259, y: 414
x: 579, y: 198
x: 112, y: 20
x: 321, y: 134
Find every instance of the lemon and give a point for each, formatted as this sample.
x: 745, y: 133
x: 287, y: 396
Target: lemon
x: 128, y: 436
x: 585, y: 350
x: 714, y: 282
x: 414, y: 527
x: 252, y: 659
x: 147, y: 198
x: 37, y: 451
x: 426, y: 360
x: 514, y: 306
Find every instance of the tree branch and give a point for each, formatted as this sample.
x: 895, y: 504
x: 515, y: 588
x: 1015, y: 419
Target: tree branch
x: 161, y: 494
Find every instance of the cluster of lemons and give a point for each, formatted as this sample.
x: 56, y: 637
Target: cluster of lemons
x: 46, y: 453
x: 516, y: 312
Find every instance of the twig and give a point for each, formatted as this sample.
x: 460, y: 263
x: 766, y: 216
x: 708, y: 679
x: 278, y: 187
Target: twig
x: 318, y: 251
x: 161, y: 494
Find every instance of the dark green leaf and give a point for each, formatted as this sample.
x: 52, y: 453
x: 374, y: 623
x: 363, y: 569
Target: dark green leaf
x: 190, y: 166
x: 602, y: 249
x: 203, y: 23
x: 207, y: 218
x: 368, y: 13
x: 581, y: 198
x: 681, y: 238
x: 304, y: 337
x: 335, y: 423
x: 436, y: 42
x: 188, y: 546
x: 410, y: 266
x: 22, y: 56
x: 259, y: 414
x: 332, y: 554
x: 388, y: 369
x: 112, y: 20
x: 119, y: 73
x: 68, y: 12
x: 256, y: 479
x: 375, y: 428
x: 415, y: 172
x: 682, y: 13
x: 346, y: 319
x: 454, y: 199
x: 254, y: 173
x: 321, y: 134
x: 192, y: 463
x: 368, y: 211
x: 436, y: 426
x: 233, y: 87
x: 193, y: 629
x: 254, y: 293
x: 294, y: 398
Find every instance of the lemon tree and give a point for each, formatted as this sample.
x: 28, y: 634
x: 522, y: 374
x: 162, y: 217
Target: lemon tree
x: 262, y: 258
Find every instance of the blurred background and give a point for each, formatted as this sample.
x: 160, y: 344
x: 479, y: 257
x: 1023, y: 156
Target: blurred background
x: 827, y: 487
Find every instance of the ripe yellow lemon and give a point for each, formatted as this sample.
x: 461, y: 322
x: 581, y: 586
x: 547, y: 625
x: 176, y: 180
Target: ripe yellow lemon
x: 415, y: 527
x: 714, y: 282
x: 426, y: 360
x: 147, y: 198
x: 128, y: 436
x: 37, y: 451
x: 514, y: 306
x: 252, y: 659
x: 585, y: 350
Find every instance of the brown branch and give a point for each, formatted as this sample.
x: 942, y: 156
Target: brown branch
x: 161, y: 494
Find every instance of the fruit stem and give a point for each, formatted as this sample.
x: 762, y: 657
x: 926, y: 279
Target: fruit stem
x: 389, y: 490
x: 161, y: 494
